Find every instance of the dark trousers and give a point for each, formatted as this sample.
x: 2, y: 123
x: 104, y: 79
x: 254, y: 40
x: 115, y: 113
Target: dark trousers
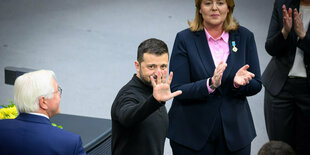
x: 287, y: 115
x: 216, y: 144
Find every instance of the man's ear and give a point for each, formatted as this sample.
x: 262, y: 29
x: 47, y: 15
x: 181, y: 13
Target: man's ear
x: 137, y: 65
x: 43, y: 103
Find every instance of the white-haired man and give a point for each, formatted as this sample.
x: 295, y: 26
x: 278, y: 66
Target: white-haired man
x: 37, y: 97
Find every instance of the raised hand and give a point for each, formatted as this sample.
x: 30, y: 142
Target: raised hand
x: 243, y: 76
x: 287, y: 21
x: 298, y: 25
x: 218, y: 74
x: 161, y: 87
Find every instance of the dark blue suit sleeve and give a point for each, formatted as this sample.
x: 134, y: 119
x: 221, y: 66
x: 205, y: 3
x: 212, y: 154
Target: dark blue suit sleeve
x: 255, y: 84
x: 79, y: 150
x: 182, y: 80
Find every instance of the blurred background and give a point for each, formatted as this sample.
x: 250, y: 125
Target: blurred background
x: 91, y: 45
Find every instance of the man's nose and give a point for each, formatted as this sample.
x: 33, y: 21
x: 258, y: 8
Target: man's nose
x: 158, y: 69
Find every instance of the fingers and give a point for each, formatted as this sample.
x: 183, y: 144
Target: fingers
x: 220, y: 69
x: 164, y: 77
x: 298, y: 24
x: 176, y: 93
x: 247, y: 78
x: 221, y: 62
x: 246, y: 72
x: 287, y: 20
x: 297, y: 17
x: 218, y: 74
x: 251, y: 75
x: 159, y: 77
x: 170, y: 96
x: 153, y: 81
x: 170, y: 78
x: 289, y: 13
x: 243, y: 76
x: 222, y: 65
x: 295, y: 13
x: 284, y: 11
x: 245, y: 67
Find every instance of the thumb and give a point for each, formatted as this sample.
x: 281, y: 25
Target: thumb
x: 176, y: 93
x: 245, y: 67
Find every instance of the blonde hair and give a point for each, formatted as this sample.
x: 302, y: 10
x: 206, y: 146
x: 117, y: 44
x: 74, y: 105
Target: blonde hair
x: 230, y: 22
x: 29, y: 87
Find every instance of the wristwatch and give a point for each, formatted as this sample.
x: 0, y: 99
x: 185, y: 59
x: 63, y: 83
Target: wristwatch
x: 211, y: 84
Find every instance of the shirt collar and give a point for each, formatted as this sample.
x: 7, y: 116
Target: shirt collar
x: 38, y: 114
x: 224, y: 36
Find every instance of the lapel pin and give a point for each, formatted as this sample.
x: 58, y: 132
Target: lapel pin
x: 235, y: 49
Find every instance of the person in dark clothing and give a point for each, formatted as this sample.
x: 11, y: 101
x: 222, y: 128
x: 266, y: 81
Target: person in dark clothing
x: 216, y: 66
x: 287, y: 76
x: 37, y: 98
x: 139, y: 115
x: 276, y: 148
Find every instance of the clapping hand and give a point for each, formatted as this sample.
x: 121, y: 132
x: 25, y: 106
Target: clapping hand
x: 298, y: 25
x: 287, y: 23
x: 243, y: 76
x: 161, y: 87
x: 218, y: 74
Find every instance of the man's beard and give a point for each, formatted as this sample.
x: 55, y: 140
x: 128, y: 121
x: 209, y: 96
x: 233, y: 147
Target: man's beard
x: 144, y: 79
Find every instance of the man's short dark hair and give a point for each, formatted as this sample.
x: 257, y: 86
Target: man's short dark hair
x: 152, y: 46
x: 276, y: 148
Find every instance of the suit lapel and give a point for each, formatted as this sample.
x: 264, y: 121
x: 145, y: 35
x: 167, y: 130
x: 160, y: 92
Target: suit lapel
x: 206, y: 57
x: 233, y: 37
x: 204, y: 52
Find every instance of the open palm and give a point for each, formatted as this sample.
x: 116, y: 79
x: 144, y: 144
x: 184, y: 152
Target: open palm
x: 287, y: 19
x: 243, y: 76
x: 161, y: 87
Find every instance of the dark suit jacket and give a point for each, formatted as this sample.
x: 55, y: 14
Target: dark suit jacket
x: 34, y: 135
x: 283, y: 51
x: 192, y: 114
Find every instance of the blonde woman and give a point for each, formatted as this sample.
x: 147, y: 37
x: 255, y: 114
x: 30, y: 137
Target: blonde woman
x: 216, y: 66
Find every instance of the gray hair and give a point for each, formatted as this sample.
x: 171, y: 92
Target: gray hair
x: 29, y: 87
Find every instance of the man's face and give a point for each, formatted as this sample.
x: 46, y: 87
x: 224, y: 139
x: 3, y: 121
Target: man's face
x: 150, y: 65
x: 53, y: 103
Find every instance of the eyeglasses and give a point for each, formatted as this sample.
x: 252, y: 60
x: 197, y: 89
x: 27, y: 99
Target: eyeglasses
x: 59, y: 90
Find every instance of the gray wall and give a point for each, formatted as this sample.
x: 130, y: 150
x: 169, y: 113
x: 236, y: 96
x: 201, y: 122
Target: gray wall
x: 91, y: 45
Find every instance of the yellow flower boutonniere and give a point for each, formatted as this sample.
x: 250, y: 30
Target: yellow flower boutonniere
x: 10, y: 112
